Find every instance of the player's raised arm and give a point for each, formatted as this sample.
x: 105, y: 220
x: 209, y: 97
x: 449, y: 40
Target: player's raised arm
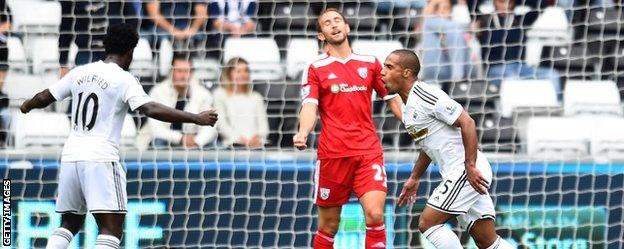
x: 167, y: 114
x: 469, y: 139
x: 40, y: 100
x: 408, y: 194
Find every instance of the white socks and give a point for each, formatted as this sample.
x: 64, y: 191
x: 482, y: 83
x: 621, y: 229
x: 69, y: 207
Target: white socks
x: 60, y: 239
x: 442, y: 237
x: 104, y: 241
x: 500, y: 243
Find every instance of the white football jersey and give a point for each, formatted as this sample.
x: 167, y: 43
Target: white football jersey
x: 429, y: 115
x: 101, y: 94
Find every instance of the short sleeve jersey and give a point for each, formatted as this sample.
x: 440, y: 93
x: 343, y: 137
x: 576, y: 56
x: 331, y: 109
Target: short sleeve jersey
x: 101, y: 94
x: 429, y: 115
x: 342, y: 89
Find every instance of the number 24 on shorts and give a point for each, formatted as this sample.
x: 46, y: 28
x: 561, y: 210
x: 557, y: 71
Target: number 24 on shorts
x: 380, y: 174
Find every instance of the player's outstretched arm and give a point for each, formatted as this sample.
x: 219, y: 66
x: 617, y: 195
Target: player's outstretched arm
x: 167, y: 114
x: 395, y: 107
x: 307, y: 120
x: 408, y: 194
x: 40, y: 100
x: 469, y: 138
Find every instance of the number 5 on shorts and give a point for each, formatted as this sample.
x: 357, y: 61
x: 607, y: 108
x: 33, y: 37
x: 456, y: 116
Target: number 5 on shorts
x: 380, y: 174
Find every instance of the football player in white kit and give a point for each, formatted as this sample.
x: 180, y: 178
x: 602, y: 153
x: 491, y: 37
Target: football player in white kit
x: 90, y: 175
x: 448, y: 137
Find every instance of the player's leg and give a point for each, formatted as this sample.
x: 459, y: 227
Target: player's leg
x: 111, y: 230
x: 62, y: 236
x: 432, y: 225
x: 328, y: 221
x: 370, y: 187
x: 105, y: 183
x: 454, y: 196
x: 373, y: 206
x: 332, y: 178
x: 483, y: 231
x: 480, y: 223
x: 71, y: 203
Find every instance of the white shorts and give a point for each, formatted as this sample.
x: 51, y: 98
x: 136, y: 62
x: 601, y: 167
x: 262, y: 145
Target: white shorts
x: 456, y: 196
x: 97, y: 187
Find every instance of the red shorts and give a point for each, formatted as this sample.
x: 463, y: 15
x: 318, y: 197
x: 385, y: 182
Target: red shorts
x: 336, y: 178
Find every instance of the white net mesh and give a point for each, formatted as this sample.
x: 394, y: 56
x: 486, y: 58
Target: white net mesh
x: 556, y: 152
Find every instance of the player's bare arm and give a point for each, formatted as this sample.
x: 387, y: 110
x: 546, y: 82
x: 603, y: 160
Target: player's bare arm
x: 410, y: 187
x: 469, y: 139
x: 307, y: 120
x: 168, y: 114
x: 40, y: 100
x: 395, y: 107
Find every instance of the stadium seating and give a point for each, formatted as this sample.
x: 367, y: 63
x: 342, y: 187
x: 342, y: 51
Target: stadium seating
x: 551, y: 28
x: 300, y: 53
x: 579, y: 136
x: 165, y: 55
x: 472, y: 93
x: 591, y: 97
x: 28, y: 132
x: 142, y: 62
x: 607, y: 138
x: 527, y: 95
x: 17, y: 55
x: 261, y: 53
x: 44, y: 54
x: 362, y: 18
x: 128, y: 132
x: 35, y: 17
x: 581, y: 59
x: 380, y: 49
x: 557, y: 136
x: 282, y: 100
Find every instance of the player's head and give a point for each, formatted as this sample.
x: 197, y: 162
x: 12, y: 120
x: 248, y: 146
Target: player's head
x: 400, y: 69
x: 181, y: 69
x: 235, y: 75
x: 332, y: 27
x: 120, y: 40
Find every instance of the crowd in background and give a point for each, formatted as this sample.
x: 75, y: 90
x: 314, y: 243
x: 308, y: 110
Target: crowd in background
x: 456, y: 41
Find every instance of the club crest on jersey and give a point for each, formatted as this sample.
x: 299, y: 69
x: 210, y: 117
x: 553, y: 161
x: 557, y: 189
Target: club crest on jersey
x: 335, y: 88
x: 324, y: 193
x: 363, y: 72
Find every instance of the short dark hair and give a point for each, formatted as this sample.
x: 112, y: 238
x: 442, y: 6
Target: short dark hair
x: 318, y: 20
x: 120, y: 39
x: 408, y: 60
x: 181, y: 56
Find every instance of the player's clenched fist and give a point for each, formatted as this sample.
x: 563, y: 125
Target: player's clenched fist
x: 300, y: 140
x: 207, y: 118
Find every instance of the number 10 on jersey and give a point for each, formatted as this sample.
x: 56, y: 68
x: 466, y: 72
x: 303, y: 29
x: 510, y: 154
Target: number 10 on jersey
x: 81, y: 111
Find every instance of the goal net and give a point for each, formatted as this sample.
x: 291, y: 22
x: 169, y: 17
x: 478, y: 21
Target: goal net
x: 549, y: 120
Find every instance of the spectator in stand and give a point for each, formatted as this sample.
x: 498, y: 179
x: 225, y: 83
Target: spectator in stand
x: 502, y: 36
x: 230, y: 18
x: 445, y: 50
x: 234, y: 17
x: 5, y: 27
x: 180, y: 21
x: 85, y: 22
x: 181, y: 91
x: 242, y: 113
